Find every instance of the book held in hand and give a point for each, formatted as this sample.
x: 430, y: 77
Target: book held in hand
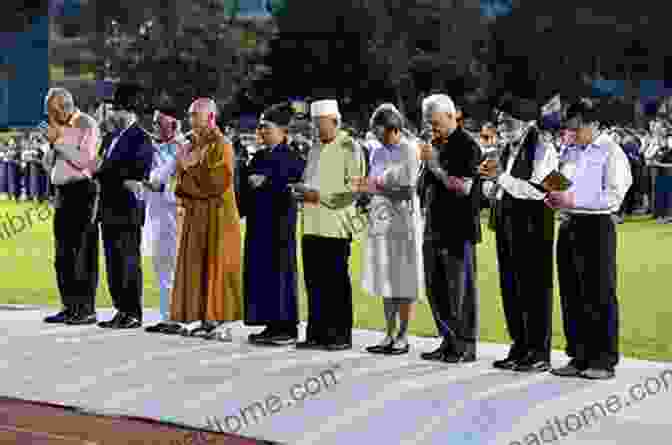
x: 556, y: 182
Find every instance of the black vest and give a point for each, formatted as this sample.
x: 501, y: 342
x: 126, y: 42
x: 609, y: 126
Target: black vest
x: 523, y: 166
x: 533, y: 214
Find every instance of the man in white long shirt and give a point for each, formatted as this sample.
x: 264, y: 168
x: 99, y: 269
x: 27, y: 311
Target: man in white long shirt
x: 162, y: 212
x: 524, y: 229
x: 586, y: 247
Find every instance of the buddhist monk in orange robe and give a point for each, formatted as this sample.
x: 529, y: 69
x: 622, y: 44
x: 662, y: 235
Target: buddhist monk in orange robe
x: 207, y: 288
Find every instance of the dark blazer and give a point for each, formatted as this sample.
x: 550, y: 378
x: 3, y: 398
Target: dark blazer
x: 452, y: 218
x: 130, y: 159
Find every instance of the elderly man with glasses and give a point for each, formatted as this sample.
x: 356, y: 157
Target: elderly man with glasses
x: 586, y: 247
x: 524, y: 229
x: 73, y: 137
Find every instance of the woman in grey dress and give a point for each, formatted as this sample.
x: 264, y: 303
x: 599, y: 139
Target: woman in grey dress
x: 392, y: 259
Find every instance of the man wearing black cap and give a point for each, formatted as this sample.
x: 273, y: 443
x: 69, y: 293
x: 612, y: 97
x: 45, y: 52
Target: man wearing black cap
x: 586, y: 248
x: 270, y: 281
x: 122, y: 212
x: 524, y: 229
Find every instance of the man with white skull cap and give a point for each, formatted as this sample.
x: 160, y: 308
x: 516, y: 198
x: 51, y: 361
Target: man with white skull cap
x: 329, y: 205
x: 449, y: 190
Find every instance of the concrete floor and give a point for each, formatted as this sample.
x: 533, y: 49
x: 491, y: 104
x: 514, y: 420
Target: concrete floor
x: 347, y: 397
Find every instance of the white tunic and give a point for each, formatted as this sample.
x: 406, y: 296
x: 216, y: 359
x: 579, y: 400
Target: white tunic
x: 161, y: 220
x: 392, y: 255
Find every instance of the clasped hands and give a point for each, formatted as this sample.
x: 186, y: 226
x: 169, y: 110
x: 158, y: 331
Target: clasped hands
x: 363, y: 184
x: 190, y: 157
x: 55, y: 133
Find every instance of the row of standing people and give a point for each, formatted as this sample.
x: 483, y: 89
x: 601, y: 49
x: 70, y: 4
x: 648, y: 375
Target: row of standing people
x: 423, y: 226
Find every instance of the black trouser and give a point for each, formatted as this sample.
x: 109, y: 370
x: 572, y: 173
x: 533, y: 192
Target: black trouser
x: 524, y: 234
x: 76, y: 242
x: 451, y: 281
x: 327, y: 278
x: 587, y: 276
x: 123, y: 263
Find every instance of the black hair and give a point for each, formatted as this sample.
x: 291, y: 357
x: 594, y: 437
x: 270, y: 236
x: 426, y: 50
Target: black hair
x: 388, y: 119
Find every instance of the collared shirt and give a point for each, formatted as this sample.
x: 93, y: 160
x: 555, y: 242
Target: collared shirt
x: 329, y: 170
x: 600, y: 173
x: 380, y: 157
x: 75, y: 158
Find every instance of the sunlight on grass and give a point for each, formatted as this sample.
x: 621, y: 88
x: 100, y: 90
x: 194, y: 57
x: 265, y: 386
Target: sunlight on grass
x: 644, y: 265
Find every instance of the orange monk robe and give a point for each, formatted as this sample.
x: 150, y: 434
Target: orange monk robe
x: 208, y: 266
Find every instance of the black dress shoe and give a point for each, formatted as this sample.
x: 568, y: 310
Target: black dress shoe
x: 395, y: 349
x: 508, y: 363
x: 260, y: 336
x: 598, y: 373
x: 378, y: 349
x: 573, y: 369
x: 531, y: 364
x: 156, y: 327
x: 435, y: 355
x: 458, y: 358
x: 309, y: 344
x: 61, y: 317
x: 112, y: 322
x: 82, y: 318
x: 128, y: 322
x: 279, y: 340
x: 171, y: 329
x: 337, y: 346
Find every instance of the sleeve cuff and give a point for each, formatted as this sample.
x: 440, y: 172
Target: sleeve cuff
x: 468, y: 183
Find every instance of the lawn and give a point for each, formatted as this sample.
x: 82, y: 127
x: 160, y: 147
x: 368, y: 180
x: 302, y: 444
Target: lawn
x: 644, y: 264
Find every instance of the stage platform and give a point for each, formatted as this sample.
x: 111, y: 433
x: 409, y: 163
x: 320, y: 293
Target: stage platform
x: 325, y: 398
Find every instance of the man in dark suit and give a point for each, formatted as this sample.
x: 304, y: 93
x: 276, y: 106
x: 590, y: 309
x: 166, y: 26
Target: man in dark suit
x: 122, y: 212
x: 449, y: 190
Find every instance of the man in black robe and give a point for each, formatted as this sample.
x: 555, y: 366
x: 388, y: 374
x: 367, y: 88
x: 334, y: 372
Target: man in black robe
x: 270, y: 281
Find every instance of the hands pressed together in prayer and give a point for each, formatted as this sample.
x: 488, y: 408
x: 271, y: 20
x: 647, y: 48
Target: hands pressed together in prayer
x: 55, y: 133
x: 488, y: 168
x: 191, y: 158
x: 426, y: 152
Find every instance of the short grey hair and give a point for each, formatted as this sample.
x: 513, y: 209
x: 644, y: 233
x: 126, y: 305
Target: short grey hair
x: 68, y: 100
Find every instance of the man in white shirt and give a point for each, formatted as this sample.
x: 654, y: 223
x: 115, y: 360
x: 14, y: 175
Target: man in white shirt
x: 586, y: 247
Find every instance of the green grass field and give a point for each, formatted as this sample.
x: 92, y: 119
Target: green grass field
x: 644, y: 266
